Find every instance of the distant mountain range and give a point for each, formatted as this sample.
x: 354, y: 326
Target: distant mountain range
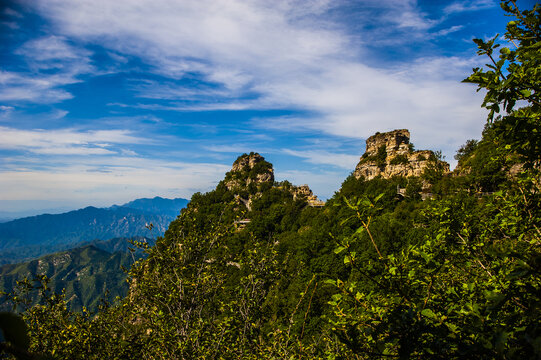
x: 31, y: 237
x: 10, y: 210
x: 88, y: 273
x: 157, y: 205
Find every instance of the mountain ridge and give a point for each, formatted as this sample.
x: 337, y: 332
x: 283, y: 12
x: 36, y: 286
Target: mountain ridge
x: 30, y: 237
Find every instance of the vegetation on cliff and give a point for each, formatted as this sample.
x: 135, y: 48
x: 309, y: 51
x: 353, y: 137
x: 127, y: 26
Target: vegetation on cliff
x: 372, y: 274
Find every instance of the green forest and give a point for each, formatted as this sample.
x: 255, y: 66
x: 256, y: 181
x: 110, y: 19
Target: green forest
x: 449, y: 268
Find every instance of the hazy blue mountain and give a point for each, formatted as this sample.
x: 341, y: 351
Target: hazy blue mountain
x: 158, y: 205
x: 16, y: 209
x: 31, y: 237
x: 88, y: 273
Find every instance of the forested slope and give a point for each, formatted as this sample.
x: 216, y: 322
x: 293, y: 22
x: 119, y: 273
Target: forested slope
x: 87, y: 274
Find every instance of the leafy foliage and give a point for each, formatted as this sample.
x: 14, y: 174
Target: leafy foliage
x: 86, y: 274
x: 514, y: 78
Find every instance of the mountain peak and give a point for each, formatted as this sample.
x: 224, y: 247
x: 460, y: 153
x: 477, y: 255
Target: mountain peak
x: 391, y: 154
x: 249, y: 169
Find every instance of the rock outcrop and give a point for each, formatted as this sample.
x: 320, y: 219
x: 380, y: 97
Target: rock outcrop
x: 304, y: 192
x: 248, y: 169
x: 248, y: 177
x: 391, y: 154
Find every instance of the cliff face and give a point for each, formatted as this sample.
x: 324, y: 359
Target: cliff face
x: 304, y: 192
x: 391, y: 154
x: 248, y: 169
x: 249, y: 176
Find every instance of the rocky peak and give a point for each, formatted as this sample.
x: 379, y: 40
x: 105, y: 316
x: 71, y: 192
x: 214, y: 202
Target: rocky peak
x: 246, y: 162
x: 249, y: 176
x: 304, y: 192
x: 396, y: 142
x: 391, y: 154
x: 248, y: 169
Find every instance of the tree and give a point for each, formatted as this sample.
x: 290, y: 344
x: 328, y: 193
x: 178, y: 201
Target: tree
x: 513, y: 82
x: 471, y: 287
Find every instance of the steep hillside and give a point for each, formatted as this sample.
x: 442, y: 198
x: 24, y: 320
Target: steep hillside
x: 270, y: 273
x: 87, y: 274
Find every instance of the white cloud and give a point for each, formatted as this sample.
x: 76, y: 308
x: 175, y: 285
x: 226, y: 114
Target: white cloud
x: 284, y: 54
x: 53, y: 63
x: 469, y: 5
x: 65, y: 141
x: 10, y: 12
x: 307, y: 65
x: 447, y: 31
x: 32, y: 87
x: 216, y: 38
x: 234, y: 148
x: 121, y: 180
x: 52, y: 48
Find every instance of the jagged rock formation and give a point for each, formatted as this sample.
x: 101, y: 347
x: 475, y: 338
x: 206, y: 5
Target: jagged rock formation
x: 248, y: 169
x: 249, y: 174
x: 304, y: 192
x: 391, y: 154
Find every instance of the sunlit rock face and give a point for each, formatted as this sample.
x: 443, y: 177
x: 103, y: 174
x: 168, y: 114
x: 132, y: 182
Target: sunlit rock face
x: 247, y: 169
x: 391, y: 154
x: 249, y: 176
x: 304, y: 192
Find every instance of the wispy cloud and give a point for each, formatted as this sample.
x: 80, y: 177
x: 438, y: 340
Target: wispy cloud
x: 469, y: 5
x: 406, y: 14
x: 66, y: 141
x: 10, y: 12
x: 120, y: 178
x: 35, y: 88
x: 447, y: 31
x: 241, y: 48
x: 53, y: 52
x: 234, y: 148
x: 52, y: 63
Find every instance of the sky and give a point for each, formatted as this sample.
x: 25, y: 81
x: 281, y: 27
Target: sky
x: 103, y: 102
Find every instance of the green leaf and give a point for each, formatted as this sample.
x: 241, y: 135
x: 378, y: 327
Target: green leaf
x: 360, y: 230
x: 339, y: 249
x: 526, y: 93
x: 429, y: 314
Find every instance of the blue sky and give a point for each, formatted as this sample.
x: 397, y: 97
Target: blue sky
x: 102, y: 102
